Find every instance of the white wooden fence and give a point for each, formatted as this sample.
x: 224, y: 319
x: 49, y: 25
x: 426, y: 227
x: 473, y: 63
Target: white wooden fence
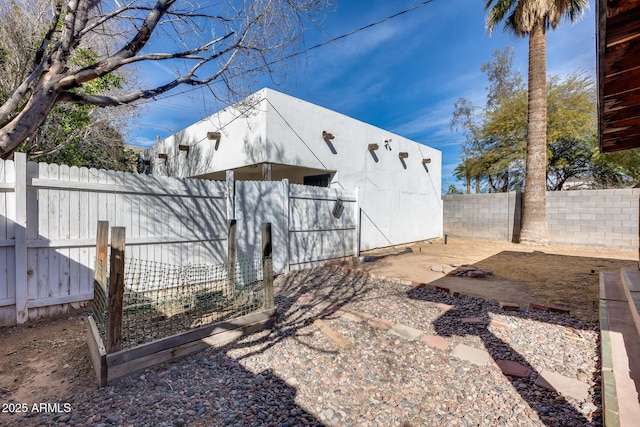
x: 49, y: 215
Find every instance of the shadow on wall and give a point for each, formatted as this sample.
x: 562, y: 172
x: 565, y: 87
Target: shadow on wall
x: 59, y: 280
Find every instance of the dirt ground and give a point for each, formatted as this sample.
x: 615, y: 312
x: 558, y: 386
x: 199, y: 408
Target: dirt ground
x: 559, y: 275
x: 45, y: 361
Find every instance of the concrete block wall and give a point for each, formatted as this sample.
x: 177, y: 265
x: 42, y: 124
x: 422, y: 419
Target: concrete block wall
x: 593, y: 218
x: 482, y: 216
x: 596, y: 218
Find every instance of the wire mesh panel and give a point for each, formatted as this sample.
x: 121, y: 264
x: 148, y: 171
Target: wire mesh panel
x: 161, y: 300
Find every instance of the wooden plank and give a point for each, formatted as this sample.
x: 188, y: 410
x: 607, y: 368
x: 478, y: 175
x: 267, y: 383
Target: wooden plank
x: 601, y: 47
x: 266, y: 171
x: 59, y: 300
x: 232, y: 249
x: 230, y: 192
x: 116, y: 290
x: 22, y: 311
x: 141, y: 241
x: 357, y: 219
x: 51, y: 286
x: 267, y: 265
x: 6, y: 302
x: 335, y: 336
x: 621, y: 83
x: 322, y: 230
x: 168, y: 343
x: 626, y: 118
x: 64, y: 224
x: 622, y: 58
x: 4, y: 243
x: 286, y: 209
x: 102, y: 241
x: 623, y: 27
x: 32, y: 233
x: 120, y: 370
x: 111, y: 188
x: 623, y: 100
x: 619, y: 144
x: 97, y: 352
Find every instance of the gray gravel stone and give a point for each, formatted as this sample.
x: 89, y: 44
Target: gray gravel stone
x: 295, y: 375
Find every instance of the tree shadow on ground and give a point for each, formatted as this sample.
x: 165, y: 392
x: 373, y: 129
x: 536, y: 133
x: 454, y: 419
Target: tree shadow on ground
x: 473, y: 317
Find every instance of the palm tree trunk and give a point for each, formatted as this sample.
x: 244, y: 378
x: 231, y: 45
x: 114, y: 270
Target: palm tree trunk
x: 534, y: 215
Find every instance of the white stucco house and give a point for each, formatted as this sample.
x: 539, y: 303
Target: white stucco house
x: 274, y: 136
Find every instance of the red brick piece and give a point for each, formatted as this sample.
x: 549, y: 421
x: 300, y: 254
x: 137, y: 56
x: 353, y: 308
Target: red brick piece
x: 380, y: 323
x: 509, y: 306
x: 559, y: 309
x: 442, y: 288
x: 472, y: 320
x: 513, y: 369
x: 539, y: 307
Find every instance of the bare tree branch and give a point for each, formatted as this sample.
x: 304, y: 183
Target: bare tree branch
x: 204, y: 43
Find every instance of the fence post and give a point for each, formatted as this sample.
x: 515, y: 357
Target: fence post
x: 100, y: 269
x: 22, y: 309
x: 267, y: 265
x: 287, y: 224
x: 232, y: 245
x: 116, y: 290
x: 102, y: 241
x: 356, y: 239
x: 231, y: 196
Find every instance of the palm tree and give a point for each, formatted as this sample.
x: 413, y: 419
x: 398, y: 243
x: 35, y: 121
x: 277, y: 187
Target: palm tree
x: 533, y: 18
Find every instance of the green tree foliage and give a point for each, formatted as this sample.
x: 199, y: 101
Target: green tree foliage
x: 72, y: 134
x: 453, y: 189
x: 495, y: 135
x: 223, y: 45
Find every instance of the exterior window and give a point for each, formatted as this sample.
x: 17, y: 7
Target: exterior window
x: 317, y: 180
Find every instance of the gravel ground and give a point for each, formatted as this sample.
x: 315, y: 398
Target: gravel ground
x: 295, y: 375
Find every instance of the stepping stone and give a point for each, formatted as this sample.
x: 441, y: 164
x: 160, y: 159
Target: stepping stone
x: 500, y: 325
x: 352, y: 317
x: 437, y: 268
x: 513, y: 369
x: 380, y: 323
x: 405, y: 332
x: 473, y: 355
x: 435, y: 341
x: 335, y: 336
x: 361, y: 314
x: 565, y: 386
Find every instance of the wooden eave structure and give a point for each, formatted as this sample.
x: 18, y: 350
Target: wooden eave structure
x: 618, y: 56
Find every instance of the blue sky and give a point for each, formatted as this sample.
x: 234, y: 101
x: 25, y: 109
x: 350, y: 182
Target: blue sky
x: 403, y: 75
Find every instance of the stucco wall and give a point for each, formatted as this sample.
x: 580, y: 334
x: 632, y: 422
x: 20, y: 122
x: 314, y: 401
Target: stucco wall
x: 400, y: 199
x: 595, y: 218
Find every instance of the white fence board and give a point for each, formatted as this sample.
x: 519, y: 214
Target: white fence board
x: 167, y: 220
